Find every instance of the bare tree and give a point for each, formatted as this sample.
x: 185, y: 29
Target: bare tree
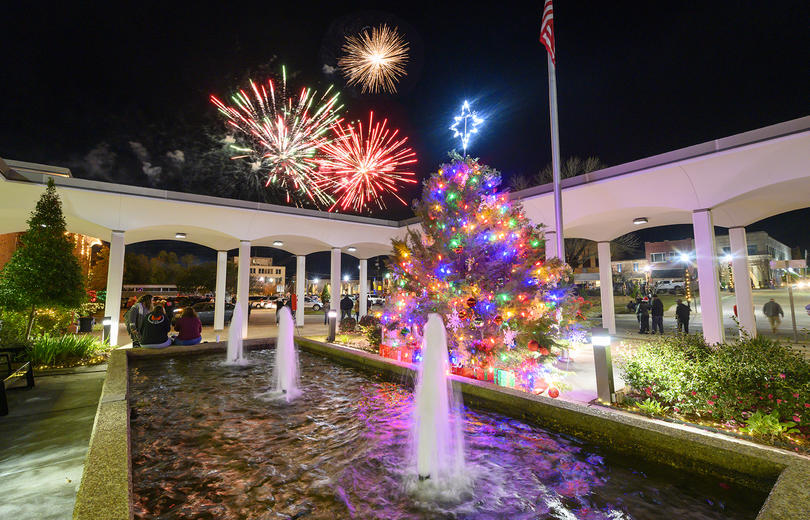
x: 572, y: 167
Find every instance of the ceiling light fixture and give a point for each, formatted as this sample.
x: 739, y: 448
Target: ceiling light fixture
x: 278, y: 243
x: 640, y: 220
x: 180, y: 235
x: 351, y: 249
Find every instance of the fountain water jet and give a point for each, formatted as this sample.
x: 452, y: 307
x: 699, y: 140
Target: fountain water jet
x: 439, y: 446
x: 236, y: 354
x: 285, y: 373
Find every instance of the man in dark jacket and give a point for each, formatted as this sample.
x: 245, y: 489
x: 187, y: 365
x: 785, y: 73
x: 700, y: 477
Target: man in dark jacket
x: 346, y: 306
x: 774, y: 313
x: 682, y: 316
x: 644, y: 316
x: 657, y: 312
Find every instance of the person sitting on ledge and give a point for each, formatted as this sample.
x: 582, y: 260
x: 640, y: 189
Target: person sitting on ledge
x: 189, y: 327
x: 155, y: 329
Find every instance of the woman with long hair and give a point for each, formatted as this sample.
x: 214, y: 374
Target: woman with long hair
x: 189, y: 328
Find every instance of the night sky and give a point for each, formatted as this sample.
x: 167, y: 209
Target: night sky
x: 110, y: 90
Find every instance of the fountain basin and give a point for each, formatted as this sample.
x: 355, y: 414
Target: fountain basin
x: 747, y: 464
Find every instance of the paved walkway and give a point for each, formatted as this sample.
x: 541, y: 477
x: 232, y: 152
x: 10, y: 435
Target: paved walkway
x: 43, y: 443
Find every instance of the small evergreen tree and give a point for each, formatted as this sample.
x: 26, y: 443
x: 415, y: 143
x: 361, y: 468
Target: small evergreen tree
x: 325, y: 294
x: 43, y: 271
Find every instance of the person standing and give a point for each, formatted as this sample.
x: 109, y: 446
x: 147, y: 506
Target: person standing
x: 279, y: 306
x: 293, y: 303
x: 357, y: 309
x: 682, y: 316
x: 325, y: 307
x: 657, y: 311
x: 346, y: 306
x: 644, y: 316
x: 774, y: 313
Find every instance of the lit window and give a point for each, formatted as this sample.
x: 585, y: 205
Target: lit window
x: 635, y: 267
x: 658, y: 257
x: 618, y: 268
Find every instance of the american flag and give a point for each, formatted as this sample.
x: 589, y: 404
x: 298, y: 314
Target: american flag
x: 547, y: 30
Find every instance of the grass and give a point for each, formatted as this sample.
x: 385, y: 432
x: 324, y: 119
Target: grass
x: 70, y: 349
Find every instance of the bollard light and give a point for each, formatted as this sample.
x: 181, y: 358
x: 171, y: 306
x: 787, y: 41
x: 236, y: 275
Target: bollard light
x: 600, y: 339
x: 332, y: 315
x: 105, y: 331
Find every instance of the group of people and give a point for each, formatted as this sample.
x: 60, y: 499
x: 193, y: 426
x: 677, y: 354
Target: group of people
x: 150, y: 326
x: 645, y: 309
x: 290, y: 301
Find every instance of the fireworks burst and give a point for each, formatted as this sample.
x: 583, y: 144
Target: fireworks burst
x: 375, y: 60
x: 362, y: 166
x: 286, y: 132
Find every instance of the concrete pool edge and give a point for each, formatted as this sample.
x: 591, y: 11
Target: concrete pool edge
x: 106, y: 486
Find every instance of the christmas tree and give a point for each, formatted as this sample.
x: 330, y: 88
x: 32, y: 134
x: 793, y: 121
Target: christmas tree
x: 43, y: 271
x: 480, y: 263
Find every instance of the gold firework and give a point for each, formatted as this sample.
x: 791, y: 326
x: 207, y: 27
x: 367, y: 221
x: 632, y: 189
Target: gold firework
x: 375, y: 59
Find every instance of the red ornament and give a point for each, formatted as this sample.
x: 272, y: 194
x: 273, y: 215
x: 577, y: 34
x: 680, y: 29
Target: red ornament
x: 498, y: 320
x: 471, y: 302
x: 533, y: 345
x: 462, y: 314
x: 553, y: 392
x: 543, y: 351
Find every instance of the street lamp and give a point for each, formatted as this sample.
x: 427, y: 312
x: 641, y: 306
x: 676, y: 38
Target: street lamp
x: 332, y: 315
x: 600, y: 339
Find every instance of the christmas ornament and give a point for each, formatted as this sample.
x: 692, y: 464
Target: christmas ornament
x: 454, y: 320
x: 462, y: 314
x: 533, y: 345
x: 498, y: 320
x: 404, y: 331
x: 471, y: 302
x: 478, y: 321
x: 509, y: 336
x: 553, y: 392
x: 543, y: 351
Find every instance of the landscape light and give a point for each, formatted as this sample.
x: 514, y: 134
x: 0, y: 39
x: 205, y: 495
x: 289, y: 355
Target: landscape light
x: 600, y: 339
x: 180, y: 235
x: 351, y: 249
x: 727, y: 258
x: 345, y: 277
x: 316, y: 280
x: 332, y: 315
x: 640, y: 220
x: 107, y: 326
x: 685, y: 257
x: 278, y: 243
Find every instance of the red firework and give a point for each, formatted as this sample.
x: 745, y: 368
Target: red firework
x: 361, y: 166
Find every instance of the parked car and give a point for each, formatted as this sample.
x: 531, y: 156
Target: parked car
x: 269, y: 302
x: 313, y: 302
x: 376, y: 300
x: 255, y: 301
x: 671, y: 286
x: 205, y: 311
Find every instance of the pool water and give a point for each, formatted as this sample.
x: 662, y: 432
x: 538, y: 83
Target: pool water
x: 206, y: 445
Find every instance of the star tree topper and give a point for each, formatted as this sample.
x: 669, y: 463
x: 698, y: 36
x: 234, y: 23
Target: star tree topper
x: 465, y: 125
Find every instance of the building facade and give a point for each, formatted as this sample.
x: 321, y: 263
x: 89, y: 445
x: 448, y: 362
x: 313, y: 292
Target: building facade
x: 270, y: 277
x: 669, y: 259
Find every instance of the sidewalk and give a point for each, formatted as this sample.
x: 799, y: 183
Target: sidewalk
x: 43, y: 443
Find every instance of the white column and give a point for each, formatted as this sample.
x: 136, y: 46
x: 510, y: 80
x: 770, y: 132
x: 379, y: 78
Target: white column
x: 115, y: 278
x: 742, y: 280
x: 219, y: 293
x: 551, y: 244
x: 243, y: 284
x: 334, y: 302
x: 708, y: 278
x: 300, y: 284
x: 606, y: 287
x: 363, y: 287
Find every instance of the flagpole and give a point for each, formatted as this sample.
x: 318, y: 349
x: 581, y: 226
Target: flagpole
x: 555, y: 158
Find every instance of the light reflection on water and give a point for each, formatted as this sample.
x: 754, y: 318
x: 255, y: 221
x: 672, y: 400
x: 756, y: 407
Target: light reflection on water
x: 205, y: 445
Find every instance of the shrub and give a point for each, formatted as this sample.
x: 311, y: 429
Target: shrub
x: 348, y: 325
x: 768, y: 425
x: 728, y: 382
x: 50, y: 350
x: 651, y: 407
x: 48, y: 321
x: 370, y: 327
